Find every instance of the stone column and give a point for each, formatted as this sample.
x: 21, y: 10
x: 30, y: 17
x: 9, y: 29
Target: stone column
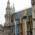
x: 33, y: 16
x: 33, y: 19
x: 33, y: 31
x: 24, y: 27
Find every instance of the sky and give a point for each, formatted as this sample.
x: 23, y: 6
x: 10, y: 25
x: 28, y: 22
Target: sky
x: 18, y: 4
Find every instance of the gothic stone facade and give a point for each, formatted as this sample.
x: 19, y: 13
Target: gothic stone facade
x: 9, y: 26
x: 23, y: 21
x: 19, y: 23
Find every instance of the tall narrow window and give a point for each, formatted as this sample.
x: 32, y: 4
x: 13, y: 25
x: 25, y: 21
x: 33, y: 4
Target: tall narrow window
x: 17, y: 27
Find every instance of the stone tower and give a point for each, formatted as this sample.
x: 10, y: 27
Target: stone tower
x: 8, y: 15
x: 33, y: 16
x: 8, y: 26
x: 13, y: 9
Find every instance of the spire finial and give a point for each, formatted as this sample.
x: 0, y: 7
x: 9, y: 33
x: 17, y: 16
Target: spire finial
x: 13, y: 8
x: 8, y: 2
x: 13, y: 5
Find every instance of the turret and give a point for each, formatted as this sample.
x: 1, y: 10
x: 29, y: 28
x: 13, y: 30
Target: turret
x: 8, y: 9
x: 13, y: 9
x: 8, y: 15
x: 8, y: 4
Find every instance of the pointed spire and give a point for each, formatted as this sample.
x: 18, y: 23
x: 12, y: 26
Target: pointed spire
x: 13, y: 7
x: 8, y: 4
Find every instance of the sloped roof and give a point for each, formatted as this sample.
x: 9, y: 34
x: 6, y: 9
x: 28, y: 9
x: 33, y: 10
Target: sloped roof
x: 21, y: 13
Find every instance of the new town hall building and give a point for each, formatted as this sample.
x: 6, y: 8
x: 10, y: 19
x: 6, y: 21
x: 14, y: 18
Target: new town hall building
x: 20, y: 23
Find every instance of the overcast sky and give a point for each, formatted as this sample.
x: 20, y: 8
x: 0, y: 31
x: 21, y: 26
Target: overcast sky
x: 19, y: 5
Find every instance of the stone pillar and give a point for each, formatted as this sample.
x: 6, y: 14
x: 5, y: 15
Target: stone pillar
x: 24, y: 27
x: 21, y: 26
x: 33, y: 31
x: 33, y: 16
x: 33, y: 19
